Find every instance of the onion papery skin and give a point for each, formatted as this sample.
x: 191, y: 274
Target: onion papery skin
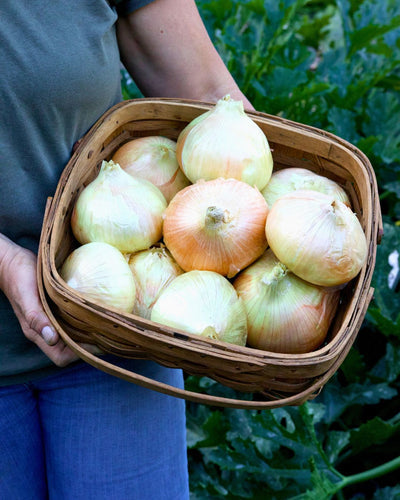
x: 317, y: 237
x: 203, y: 303
x: 118, y: 209
x: 285, y: 314
x: 153, y: 270
x: 291, y: 179
x: 100, y: 273
x: 216, y: 226
x: 153, y: 158
x: 225, y: 142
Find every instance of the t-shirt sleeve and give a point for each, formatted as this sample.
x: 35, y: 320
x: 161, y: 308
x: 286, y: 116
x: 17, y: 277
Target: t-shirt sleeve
x: 124, y: 7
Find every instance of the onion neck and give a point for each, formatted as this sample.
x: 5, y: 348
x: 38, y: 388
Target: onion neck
x: 216, y: 218
x: 165, y: 152
x: 227, y: 104
x: 109, y: 166
x: 108, y: 170
x: 275, y: 275
x: 338, y: 214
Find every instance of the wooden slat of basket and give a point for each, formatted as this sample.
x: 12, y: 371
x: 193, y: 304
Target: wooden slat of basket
x: 275, y: 399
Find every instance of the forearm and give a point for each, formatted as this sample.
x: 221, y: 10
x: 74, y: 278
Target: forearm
x: 166, y: 49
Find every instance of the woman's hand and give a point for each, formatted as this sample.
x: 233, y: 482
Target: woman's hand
x: 18, y: 282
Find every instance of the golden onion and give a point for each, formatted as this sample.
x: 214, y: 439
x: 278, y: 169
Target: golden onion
x: 216, y: 226
x: 284, y: 313
x: 317, y: 237
x: 100, y: 273
x: 153, y: 270
x: 118, y: 209
x: 291, y: 179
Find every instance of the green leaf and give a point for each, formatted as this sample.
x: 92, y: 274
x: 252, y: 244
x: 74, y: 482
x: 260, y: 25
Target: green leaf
x: 336, y: 442
x: 337, y: 399
x: 375, y: 431
x: 388, y: 367
x: 393, y: 187
x: 323, y: 488
x: 362, y: 38
x: 314, y: 27
x: 343, y: 123
x: 354, y: 367
x: 207, y: 432
x: 388, y: 493
x: 386, y: 105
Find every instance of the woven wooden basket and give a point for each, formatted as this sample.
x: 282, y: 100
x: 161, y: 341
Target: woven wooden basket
x: 276, y: 379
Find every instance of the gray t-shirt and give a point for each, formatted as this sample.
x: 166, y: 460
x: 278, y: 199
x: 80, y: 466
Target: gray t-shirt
x: 60, y: 71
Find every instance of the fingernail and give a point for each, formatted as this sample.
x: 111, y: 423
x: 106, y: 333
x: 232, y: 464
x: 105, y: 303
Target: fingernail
x: 49, y: 335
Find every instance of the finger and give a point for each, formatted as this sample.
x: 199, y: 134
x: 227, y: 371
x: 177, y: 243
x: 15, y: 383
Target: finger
x: 59, y: 353
x: 40, y: 331
x: 49, y: 335
x: 39, y: 325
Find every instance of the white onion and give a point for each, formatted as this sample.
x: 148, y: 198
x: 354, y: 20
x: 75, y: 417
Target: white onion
x: 284, y: 313
x: 100, y: 273
x: 225, y: 142
x: 153, y: 158
x: 291, y: 179
x: 153, y: 270
x: 317, y: 237
x: 203, y: 303
x: 119, y: 209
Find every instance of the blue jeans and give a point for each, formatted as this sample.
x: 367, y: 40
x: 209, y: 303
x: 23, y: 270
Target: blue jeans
x: 82, y: 434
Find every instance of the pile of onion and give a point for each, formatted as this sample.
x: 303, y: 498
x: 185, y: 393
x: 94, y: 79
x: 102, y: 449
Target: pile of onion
x: 195, y: 218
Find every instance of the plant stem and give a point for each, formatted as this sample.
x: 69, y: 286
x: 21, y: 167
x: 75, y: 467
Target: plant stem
x: 370, y: 474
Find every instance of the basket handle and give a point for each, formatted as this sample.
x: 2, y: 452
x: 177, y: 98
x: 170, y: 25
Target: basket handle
x: 149, y: 383
x: 130, y: 376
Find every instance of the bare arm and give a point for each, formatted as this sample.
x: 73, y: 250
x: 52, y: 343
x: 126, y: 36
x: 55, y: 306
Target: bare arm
x: 166, y: 49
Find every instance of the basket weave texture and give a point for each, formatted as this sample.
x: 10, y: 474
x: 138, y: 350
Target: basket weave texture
x: 277, y: 379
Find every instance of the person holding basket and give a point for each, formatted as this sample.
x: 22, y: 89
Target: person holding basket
x: 67, y: 430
